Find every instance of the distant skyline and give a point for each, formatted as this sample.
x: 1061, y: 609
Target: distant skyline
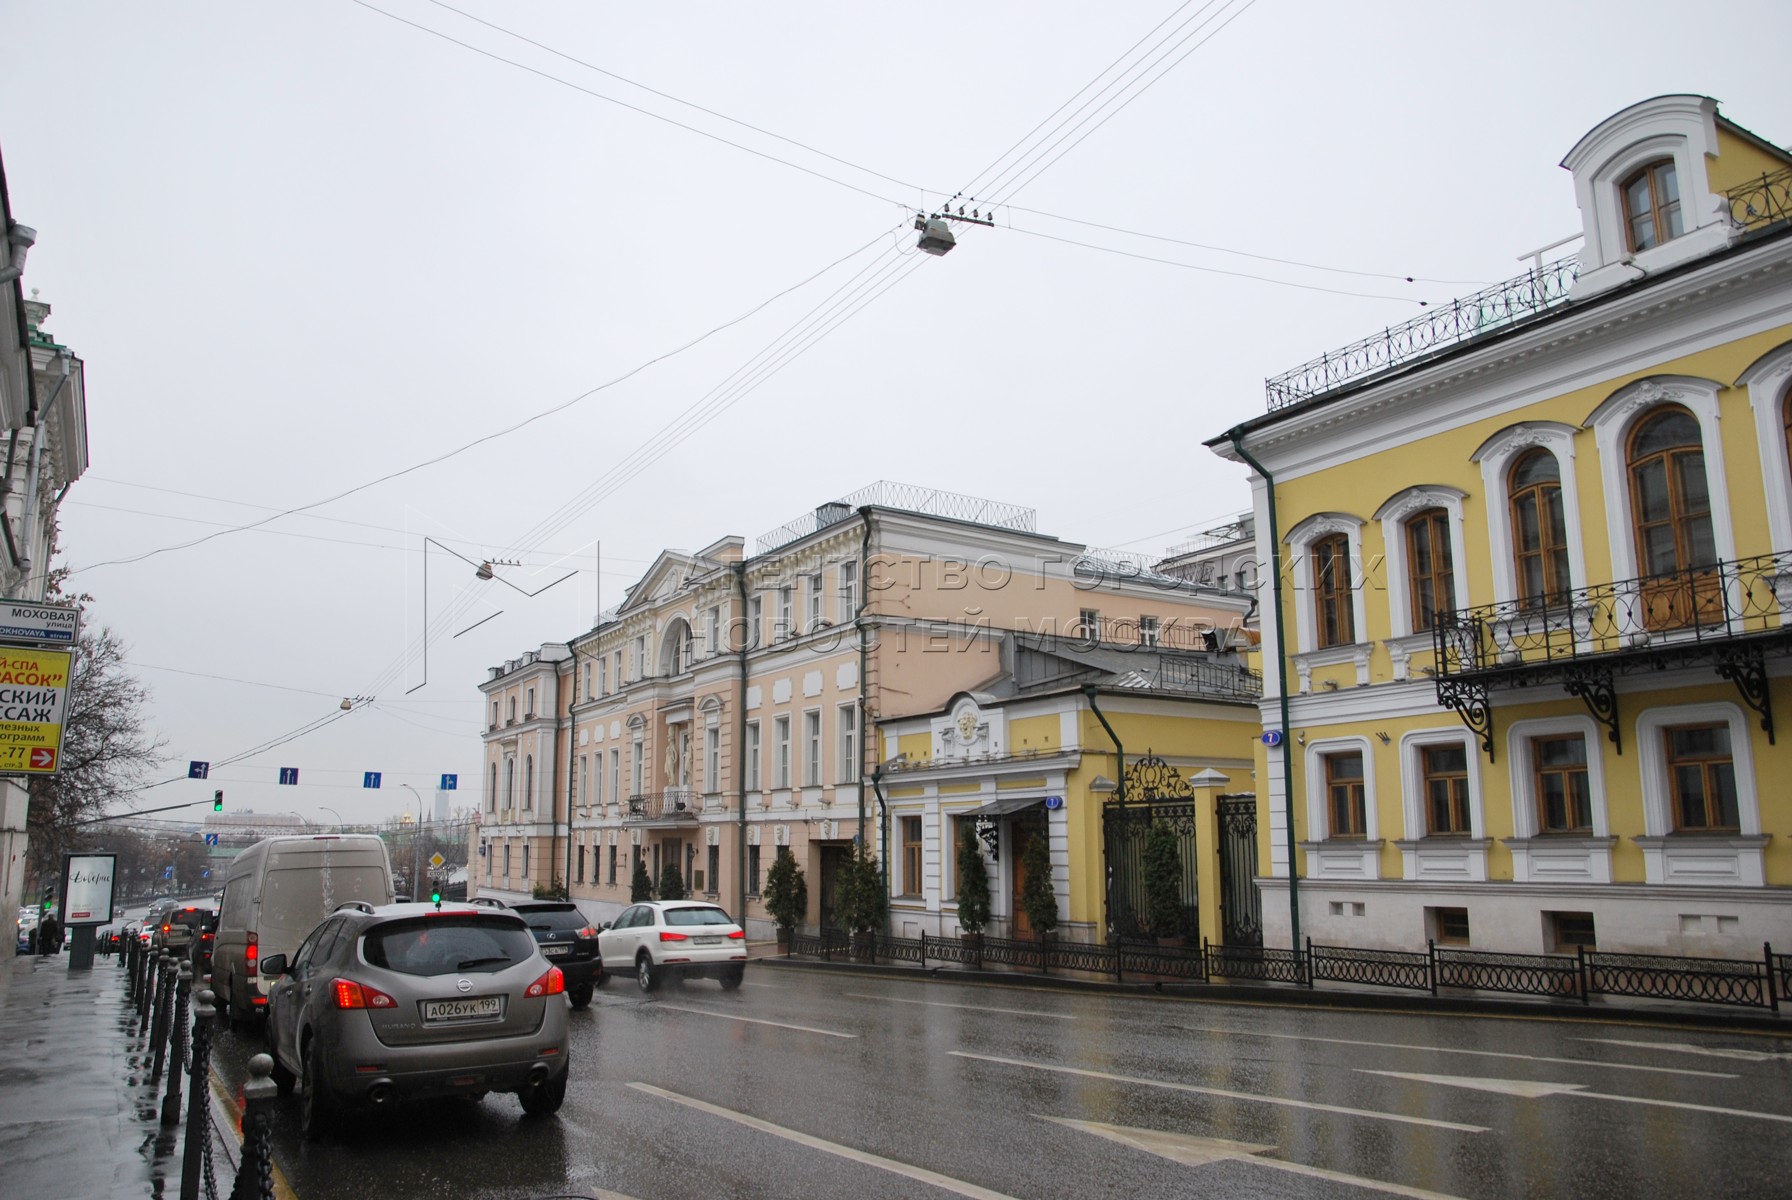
x: 305, y: 248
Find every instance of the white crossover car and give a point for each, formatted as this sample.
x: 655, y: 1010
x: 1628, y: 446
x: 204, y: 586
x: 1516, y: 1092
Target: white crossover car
x: 688, y: 938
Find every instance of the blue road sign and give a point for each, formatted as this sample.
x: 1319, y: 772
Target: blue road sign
x: 198, y: 770
x: 289, y: 775
x: 211, y: 839
x: 205, y: 874
x: 167, y: 872
x: 370, y: 779
x: 450, y: 782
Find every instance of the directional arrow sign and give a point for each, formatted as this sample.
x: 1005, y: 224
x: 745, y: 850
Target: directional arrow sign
x: 1530, y: 1089
x: 43, y: 758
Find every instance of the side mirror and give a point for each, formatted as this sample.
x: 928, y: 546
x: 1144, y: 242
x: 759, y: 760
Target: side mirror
x: 273, y: 965
x: 603, y: 927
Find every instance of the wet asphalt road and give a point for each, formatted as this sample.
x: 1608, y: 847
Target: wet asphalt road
x: 818, y: 1084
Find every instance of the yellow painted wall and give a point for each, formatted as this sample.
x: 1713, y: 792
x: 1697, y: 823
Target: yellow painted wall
x: 1740, y: 162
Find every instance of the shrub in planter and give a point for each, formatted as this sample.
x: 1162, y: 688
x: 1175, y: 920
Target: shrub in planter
x: 549, y: 891
x: 1163, y: 883
x: 671, y: 882
x: 640, y: 886
x: 1037, y: 898
x: 786, y: 894
x: 860, y: 902
x: 973, y: 892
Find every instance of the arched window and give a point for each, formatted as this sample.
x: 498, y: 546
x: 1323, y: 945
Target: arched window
x: 529, y: 781
x: 1429, y: 569
x: 1670, y: 513
x: 677, y: 649
x: 1651, y: 197
x: 1331, y: 589
x: 1539, y: 530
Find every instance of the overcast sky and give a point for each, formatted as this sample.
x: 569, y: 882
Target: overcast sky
x: 305, y: 246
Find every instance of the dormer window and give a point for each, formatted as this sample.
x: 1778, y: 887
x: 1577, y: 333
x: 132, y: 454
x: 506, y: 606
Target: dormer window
x: 1652, y: 205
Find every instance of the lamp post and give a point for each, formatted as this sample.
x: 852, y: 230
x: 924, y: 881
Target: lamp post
x: 416, y: 843
x: 335, y: 814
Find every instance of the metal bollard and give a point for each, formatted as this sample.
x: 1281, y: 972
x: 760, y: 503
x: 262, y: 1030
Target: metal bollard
x: 158, y: 1032
x: 146, y: 994
x: 255, y: 1178
x: 130, y: 981
x: 196, y: 1155
x: 177, y: 1042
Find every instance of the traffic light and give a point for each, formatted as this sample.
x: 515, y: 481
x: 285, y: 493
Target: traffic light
x: 218, y: 800
x: 49, y: 901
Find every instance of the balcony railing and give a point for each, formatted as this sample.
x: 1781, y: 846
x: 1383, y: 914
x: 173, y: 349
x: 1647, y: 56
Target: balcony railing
x: 1762, y: 202
x: 1726, y: 615
x: 673, y: 804
x: 1499, y: 307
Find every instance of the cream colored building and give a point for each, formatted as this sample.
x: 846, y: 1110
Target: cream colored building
x: 731, y: 704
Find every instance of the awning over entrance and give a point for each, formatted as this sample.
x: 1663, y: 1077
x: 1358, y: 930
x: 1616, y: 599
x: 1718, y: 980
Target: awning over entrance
x: 1003, y: 806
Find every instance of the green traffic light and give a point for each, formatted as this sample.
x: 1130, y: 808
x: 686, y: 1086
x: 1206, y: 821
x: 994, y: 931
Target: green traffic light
x: 218, y: 800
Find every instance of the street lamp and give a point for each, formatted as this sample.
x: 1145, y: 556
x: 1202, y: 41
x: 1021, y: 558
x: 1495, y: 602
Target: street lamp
x: 416, y: 843
x: 335, y: 814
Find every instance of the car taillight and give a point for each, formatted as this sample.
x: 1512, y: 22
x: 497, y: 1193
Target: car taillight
x: 587, y: 932
x: 667, y: 935
x: 738, y: 935
x: 251, y: 952
x: 165, y: 928
x: 350, y: 994
x: 551, y: 984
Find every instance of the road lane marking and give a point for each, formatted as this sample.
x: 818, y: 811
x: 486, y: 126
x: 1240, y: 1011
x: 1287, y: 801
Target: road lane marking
x: 920, y: 1174
x: 1225, y: 1094
x: 704, y: 1012
x: 1019, y: 1012
x: 1573, y: 1062
x: 1199, y: 1151
x: 1688, y: 1048
x: 1533, y: 1090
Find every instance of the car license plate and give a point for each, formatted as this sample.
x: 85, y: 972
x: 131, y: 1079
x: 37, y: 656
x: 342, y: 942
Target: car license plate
x: 706, y: 941
x: 556, y: 951
x: 470, y: 1009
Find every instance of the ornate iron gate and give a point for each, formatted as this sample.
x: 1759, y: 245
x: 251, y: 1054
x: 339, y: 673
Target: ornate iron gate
x: 1154, y: 793
x: 1241, y: 904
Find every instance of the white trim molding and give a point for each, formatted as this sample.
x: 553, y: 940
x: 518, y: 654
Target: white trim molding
x: 1682, y: 128
x: 1393, y: 516
x: 1423, y: 856
x: 1767, y: 380
x: 1340, y: 858
x: 1538, y: 857
x: 1299, y: 539
x: 1671, y: 857
x: 1496, y: 456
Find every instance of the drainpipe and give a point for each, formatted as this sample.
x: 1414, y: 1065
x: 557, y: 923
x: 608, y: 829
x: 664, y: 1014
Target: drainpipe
x: 740, y: 742
x: 1119, y: 752
x: 1275, y: 574
x: 864, y: 631
x: 883, y: 825
x: 20, y: 238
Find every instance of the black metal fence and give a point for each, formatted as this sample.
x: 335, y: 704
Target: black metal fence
x: 1758, y: 983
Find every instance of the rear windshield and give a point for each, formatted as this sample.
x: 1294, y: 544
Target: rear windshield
x: 553, y: 917
x: 440, y: 945
x: 295, y: 899
x: 697, y: 916
x: 197, y: 918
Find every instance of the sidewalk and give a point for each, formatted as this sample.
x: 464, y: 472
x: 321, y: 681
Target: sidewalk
x: 78, y: 1115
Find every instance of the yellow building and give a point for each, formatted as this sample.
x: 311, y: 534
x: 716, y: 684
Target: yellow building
x: 730, y: 707
x: 1529, y: 644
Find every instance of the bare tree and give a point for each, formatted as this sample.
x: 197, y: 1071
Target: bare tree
x: 108, y: 751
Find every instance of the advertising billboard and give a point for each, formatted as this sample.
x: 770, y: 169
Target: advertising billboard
x: 87, y: 888
x: 34, y: 687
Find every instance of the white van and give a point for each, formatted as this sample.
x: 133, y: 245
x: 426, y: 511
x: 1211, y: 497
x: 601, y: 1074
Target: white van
x: 279, y: 890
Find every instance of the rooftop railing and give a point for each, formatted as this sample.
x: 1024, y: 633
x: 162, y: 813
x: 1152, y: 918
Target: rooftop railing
x: 910, y: 498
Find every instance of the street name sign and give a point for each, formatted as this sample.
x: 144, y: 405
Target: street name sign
x: 51, y: 624
x: 34, y: 688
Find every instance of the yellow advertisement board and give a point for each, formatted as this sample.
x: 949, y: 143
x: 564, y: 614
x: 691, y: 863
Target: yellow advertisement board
x: 33, y: 698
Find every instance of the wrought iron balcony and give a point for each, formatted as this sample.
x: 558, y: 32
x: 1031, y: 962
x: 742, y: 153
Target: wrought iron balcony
x: 673, y: 804
x: 1762, y: 203
x: 1497, y: 308
x: 1728, y: 615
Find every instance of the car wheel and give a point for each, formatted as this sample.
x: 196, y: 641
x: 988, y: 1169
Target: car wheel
x: 236, y: 1013
x: 580, y: 996
x: 731, y: 978
x: 645, y: 975
x: 544, y: 1100
x: 317, y: 1114
x: 283, y: 1078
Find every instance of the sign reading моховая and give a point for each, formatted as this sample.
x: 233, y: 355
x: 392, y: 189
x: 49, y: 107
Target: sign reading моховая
x: 25, y: 621
x: 87, y: 888
x: 33, y: 698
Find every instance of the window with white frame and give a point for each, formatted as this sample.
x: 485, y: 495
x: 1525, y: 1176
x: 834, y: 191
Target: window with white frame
x: 637, y: 764
x: 848, y: 590
x: 640, y: 657
x: 712, y: 759
x: 528, y: 781
x: 529, y: 708
x: 786, y: 612
x: 510, y: 783
x: 616, y: 776
x: 510, y: 713
x: 1148, y: 630
x: 621, y: 681
x: 1088, y: 624
x: 1445, y: 780
x: 1422, y: 531
x: 1701, y: 803
x: 714, y: 638
x: 494, y: 714
x: 755, y: 779
x: 1346, y: 810
x: 584, y: 781
x: 491, y: 796
x: 781, y: 752
x: 1328, y: 551
x: 812, y: 747
x: 589, y: 694
x: 1341, y: 792
x: 603, y: 677
x: 1533, y: 514
x: 597, y: 780
x: 755, y: 619
x: 847, y: 728
x: 812, y: 604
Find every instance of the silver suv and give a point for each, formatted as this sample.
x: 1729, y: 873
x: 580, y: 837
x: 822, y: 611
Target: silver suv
x: 410, y: 1000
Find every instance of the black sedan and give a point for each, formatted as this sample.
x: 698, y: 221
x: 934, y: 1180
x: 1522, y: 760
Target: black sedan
x: 567, y: 940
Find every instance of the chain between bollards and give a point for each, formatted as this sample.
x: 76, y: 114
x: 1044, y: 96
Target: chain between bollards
x: 255, y: 1178
x: 196, y: 1156
x: 177, y: 1042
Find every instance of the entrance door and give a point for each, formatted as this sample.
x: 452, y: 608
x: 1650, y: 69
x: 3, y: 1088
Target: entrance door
x: 833, y: 862
x: 1022, y: 831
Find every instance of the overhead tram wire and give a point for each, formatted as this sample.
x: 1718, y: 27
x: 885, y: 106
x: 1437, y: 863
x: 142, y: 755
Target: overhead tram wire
x: 721, y: 116
x: 646, y: 112
x: 1215, y: 32
x: 479, y: 441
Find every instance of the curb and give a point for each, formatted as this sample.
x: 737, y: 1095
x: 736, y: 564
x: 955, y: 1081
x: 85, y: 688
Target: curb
x: 224, y: 1106
x: 1360, y: 1001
